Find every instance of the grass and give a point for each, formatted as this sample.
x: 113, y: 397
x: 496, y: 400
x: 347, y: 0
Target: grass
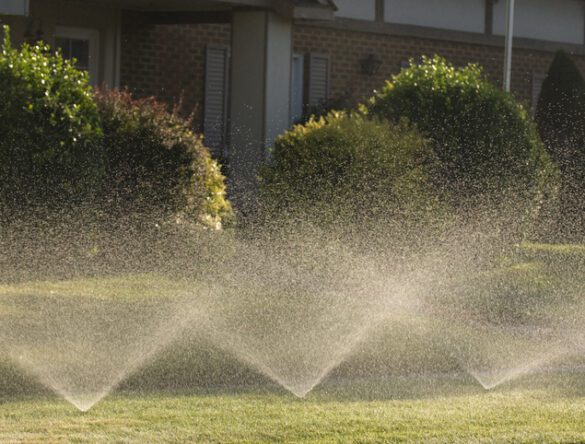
x: 125, y: 287
x: 512, y: 415
x: 360, y: 412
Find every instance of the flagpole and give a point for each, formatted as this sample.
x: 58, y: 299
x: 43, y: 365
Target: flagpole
x: 508, y: 45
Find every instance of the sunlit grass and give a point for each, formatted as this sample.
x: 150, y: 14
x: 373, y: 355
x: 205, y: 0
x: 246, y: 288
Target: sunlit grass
x: 575, y: 249
x: 107, y: 287
x: 521, y: 415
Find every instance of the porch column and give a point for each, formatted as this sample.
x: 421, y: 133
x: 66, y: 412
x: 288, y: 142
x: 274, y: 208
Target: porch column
x: 260, y: 88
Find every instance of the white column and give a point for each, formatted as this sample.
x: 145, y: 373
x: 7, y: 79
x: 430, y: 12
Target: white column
x: 259, y: 92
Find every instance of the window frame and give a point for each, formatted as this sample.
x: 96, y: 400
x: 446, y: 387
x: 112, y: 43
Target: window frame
x: 93, y: 37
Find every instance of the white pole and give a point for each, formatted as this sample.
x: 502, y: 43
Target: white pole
x: 508, y: 49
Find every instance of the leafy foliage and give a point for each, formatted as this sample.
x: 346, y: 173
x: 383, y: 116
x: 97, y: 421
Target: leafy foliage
x: 348, y: 168
x: 486, y: 142
x: 154, y: 162
x: 62, y: 146
x: 48, y: 127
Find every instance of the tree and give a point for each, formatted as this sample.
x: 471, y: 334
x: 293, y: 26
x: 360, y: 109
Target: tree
x: 560, y: 117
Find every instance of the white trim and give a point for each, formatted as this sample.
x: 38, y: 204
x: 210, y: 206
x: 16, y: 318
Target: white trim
x: 93, y: 36
x: 15, y: 7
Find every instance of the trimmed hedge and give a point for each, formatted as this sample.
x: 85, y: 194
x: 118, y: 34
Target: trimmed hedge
x: 49, y: 126
x: 155, y: 163
x: 64, y: 147
x: 486, y: 143
x: 346, y: 168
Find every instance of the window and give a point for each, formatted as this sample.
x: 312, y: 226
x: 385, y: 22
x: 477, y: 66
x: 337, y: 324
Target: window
x: 14, y: 7
x: 555, y: 21
x: 458, y: 15
x: 360, y: 10
x: 77, y: 49
x: 81, y: 45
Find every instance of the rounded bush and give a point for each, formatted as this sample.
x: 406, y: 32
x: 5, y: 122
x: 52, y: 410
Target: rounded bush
x: 48, y: 128
x: 345, y: 168
x: 155, y: 163
x: 486, y: 142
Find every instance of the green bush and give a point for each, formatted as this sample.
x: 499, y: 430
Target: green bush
x: 155, y: 163
x: 345, y: 168
x: 560, y: 117
x: 64, y: 147
x: 486, y: 143
x: 49, y: 125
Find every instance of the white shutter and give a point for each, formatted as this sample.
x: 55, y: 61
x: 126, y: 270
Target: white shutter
x: 318, y: 79
x: 537, y: 80
x: 297, y: 83
x: 14, y: 7
x: 215, y: 106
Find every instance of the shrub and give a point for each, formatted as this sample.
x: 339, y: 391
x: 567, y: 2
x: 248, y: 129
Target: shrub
x: 64, y: 147
x: 486, y: 142
x: 48, y: 128
x: 155, y: 163
x: 560, y: 117
x: 345, y: 168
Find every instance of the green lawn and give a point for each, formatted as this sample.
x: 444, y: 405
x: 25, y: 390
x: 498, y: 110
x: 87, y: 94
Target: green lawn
x: 373, y: 409
x: 513, y: 414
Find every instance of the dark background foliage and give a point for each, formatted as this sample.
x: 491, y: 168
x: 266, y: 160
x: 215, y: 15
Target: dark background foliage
x: 560, y: 117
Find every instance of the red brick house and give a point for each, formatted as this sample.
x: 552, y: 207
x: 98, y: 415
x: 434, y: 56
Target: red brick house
x: 248, y: 68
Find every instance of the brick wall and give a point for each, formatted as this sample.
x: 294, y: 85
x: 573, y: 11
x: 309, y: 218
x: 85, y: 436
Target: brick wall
x: 168, y: 61
x: 347, y: 48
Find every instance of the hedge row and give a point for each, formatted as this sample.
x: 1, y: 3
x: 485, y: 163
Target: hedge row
x: 465, y: 144
x: 434, y: 137
x: 63, y: 145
